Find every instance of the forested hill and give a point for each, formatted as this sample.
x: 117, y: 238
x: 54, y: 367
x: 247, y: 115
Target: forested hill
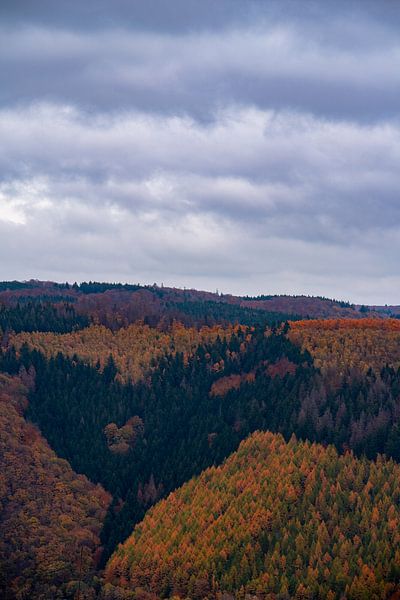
x: 276, y: 520
x: 48, y: 306
x: 140, y: 441
x: 141, y: 388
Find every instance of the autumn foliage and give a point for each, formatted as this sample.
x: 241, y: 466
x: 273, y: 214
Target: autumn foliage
x: 50, y: 517
x: 133, y: 348
x: 276, y: 520
x: 280, y: 368
x: 141, y: 403
x: 344, y: 344
x: 122, y: 439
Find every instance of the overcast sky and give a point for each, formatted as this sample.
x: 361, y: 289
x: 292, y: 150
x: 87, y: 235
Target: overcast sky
x: 249, y: 146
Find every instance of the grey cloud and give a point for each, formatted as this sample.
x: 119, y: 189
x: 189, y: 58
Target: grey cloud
x: 152, y: 15
x: 267, y: 63
x: 188, y: 15
x: 282, y: 192
x: 249, y: 146
x: 261, y: 167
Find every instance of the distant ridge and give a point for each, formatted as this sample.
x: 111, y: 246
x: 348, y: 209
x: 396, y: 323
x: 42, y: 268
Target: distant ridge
x: 136, y: 301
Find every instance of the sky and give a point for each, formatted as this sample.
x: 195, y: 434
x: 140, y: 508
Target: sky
x: 249, y: 146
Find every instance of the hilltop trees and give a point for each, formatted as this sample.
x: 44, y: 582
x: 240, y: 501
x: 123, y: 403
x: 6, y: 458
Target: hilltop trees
x: 276, y: 520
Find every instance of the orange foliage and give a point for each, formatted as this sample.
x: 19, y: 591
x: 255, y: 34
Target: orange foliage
x: 133, y: 348
x: 233, y: 382
x: 345, y: 344
x: 332, y: 324
x: 48, y: 513
x: 276, y: 518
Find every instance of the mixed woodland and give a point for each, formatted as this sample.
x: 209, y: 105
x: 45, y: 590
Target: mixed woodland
x: 166, y: 443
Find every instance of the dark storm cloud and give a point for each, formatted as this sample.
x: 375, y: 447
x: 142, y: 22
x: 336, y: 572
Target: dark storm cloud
x: 250, y: 146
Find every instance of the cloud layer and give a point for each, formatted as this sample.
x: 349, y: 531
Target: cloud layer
x: 256, y: 154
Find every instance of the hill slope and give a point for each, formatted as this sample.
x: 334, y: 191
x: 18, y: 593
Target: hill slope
x: 50, y: 517
x: 278, y: 520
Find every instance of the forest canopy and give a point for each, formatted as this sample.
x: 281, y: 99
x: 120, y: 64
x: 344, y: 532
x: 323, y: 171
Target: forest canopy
x: 109, y: 403
x: 284, y: 520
